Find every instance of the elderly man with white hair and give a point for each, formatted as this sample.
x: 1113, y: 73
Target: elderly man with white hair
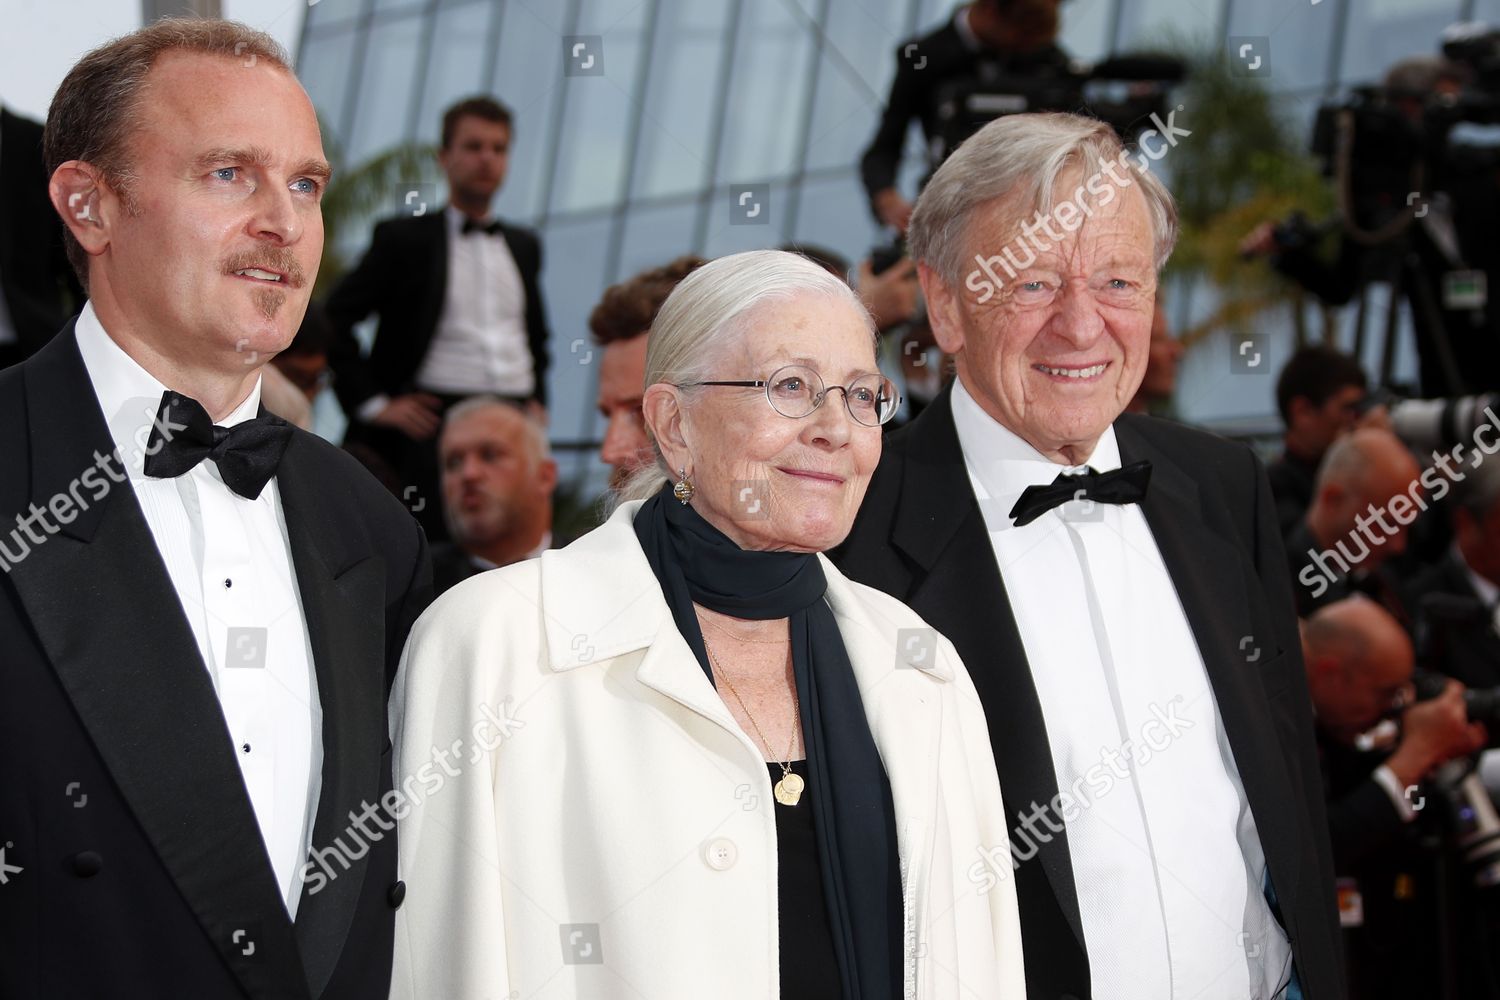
x: 1115, y: 585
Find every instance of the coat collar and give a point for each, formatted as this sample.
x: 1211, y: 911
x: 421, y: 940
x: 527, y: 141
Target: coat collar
x: 590, y: 615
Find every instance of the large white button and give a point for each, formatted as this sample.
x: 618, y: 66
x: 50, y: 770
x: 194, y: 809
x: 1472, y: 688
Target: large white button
x: 721, y: 854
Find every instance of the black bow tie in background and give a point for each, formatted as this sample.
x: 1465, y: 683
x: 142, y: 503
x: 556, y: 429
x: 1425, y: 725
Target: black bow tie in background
x: 1122, y: 486
x: 475, y: 226
x: 247, y: 453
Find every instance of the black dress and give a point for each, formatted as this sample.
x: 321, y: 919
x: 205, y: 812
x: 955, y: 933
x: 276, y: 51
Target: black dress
x: 809, y: 968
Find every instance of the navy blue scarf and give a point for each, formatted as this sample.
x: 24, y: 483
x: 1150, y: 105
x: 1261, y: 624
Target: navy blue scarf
x: 848, y: 788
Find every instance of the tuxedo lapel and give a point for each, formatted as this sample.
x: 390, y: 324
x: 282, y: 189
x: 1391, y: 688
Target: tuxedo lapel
x: 959, y: 591
x: 342, y: 598
x: 106, y: 613
x: 1233, y: 629
x: 432, y: 239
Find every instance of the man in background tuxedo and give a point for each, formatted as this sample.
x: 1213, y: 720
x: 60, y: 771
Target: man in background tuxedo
x: 498, y: 481
x: 202, y: 607
x: 1457, y: 601
x: 37, y: 287
x: 1129, y: 630
x: 460, y: 308
x: 1339, y: 547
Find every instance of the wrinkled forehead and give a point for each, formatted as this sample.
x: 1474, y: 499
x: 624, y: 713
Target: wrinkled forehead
x: 191, y: 101
x: 1081, y: 204
x: 825, y: 332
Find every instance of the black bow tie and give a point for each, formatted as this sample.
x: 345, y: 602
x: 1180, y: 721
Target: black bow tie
x: 1126, y: 485
x: 247, y: 453
x: 475, y: 226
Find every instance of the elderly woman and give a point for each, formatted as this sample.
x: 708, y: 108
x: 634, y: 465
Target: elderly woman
x: 684, y: 756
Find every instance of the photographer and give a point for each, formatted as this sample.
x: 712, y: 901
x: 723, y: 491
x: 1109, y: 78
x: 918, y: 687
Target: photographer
x: 1395, y: 892
x: 1417, y: 211
x: 1318, y: 395
x: 1351, y: 531
x: 1359, y: 669
x: 1458, y: 600
x: 984, y: 40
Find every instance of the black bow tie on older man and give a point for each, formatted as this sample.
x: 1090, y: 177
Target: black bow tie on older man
x: 487, y: 228
x: 1122, y: 486
x: 247, y: 454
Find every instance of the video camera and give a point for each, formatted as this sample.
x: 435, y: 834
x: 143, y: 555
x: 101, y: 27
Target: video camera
x: 1122, y: 90
x: 1474, y: 824
x: 1390, y: 146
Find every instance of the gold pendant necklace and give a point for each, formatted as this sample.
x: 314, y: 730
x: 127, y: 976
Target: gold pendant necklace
x: 789, y: 789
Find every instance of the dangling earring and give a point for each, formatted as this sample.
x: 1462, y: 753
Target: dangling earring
x: 683, y: 488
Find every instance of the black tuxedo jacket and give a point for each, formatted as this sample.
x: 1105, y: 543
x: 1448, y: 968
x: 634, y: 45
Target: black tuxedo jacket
x: 404, y: 278
x: 1457, y: 636
x: 36, y: 280
x: 143, y: 872
x: 920, y: 536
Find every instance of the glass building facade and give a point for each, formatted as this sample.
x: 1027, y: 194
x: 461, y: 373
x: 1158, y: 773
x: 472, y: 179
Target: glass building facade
x: 637, y: 121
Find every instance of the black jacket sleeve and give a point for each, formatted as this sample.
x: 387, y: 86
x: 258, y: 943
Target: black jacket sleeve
x: 882, y: 158
x: 358, y: 294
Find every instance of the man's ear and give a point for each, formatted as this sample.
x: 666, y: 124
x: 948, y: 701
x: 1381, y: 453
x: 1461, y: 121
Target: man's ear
x: 1296, y: 409
x: 661, y: 407
x: 546, y: 475
x: 944, y: 310
x: 85, y: 203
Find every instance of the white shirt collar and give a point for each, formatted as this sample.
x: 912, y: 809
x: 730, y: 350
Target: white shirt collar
x: 456, y: 221
x: 1002, y: 462
x: 129, y: 395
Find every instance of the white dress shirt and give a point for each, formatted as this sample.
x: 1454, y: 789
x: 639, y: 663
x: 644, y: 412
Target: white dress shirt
x: 1165, y: 854
x: 230, y: 563
x: 480, y: 345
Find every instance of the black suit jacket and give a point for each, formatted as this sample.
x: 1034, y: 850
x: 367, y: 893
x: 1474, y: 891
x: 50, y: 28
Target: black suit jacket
x: 36, y: 280
x: 404, y: 277
x: 920, y: 536
x: 143, y: 869
x: 1362, y: 819
x: 451, y: 566
x: 1455, y: 628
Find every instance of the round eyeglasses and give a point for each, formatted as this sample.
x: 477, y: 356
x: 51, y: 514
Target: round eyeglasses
x: 796, y: 391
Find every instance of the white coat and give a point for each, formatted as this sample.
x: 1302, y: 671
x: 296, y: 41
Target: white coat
x: 582, y: 817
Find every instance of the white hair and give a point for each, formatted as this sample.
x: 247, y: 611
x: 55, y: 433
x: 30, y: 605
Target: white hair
x: 1023, y: 156
x: 535, y: 437
x: 706, y: 315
